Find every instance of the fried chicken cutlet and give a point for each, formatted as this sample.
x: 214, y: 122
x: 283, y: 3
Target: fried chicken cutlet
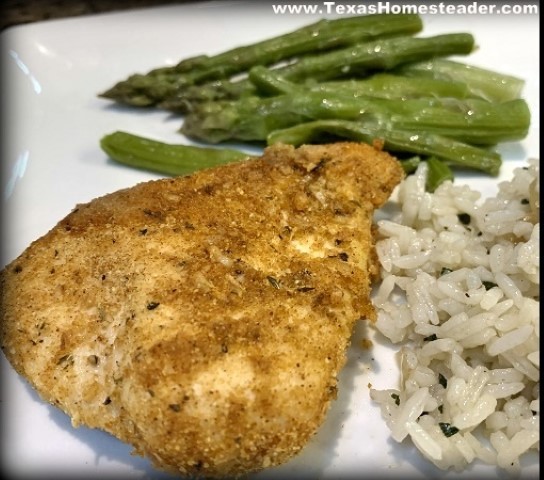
x: 204, y: 319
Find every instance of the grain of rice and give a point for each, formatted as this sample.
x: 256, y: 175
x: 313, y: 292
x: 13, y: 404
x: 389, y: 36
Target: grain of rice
x: 496, y: 421
x: 463, y: 301
x: 423, y: 440
x: 510, y: 340
x: 478, y: 412
x: 503, y: 375
x: 490, y: 298
x: 464, y: 447
x: 534, y: 357
x: 483, y: 452
x: 505, y: 390
x: 410, y: 412
x: 503, y: 306
x: 478, y: 339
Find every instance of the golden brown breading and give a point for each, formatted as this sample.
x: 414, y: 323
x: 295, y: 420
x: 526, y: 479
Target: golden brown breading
x: 203, y: 319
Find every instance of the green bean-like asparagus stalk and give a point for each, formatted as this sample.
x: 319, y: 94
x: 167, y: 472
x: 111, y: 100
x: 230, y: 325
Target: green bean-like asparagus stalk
x: 384, y: 54
x: 253, y: 118
x: 269, y: 82
x: 488, y: 84
x: 382, y: 85
x: 167, y: 159
x: 183, y: 100
x: 356, y: 60
x: 438, y: 172
x: 451, y: 151
x: 149, y: 89
x: 410, y: 165
x: 473, y: 121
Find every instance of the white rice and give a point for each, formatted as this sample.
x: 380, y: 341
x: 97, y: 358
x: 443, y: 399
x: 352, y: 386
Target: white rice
x: 460, y: 294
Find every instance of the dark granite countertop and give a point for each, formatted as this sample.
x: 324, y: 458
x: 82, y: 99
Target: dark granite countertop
x: 17, y: 12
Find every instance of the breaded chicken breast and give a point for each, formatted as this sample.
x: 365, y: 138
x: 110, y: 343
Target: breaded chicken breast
x: 204, y: 319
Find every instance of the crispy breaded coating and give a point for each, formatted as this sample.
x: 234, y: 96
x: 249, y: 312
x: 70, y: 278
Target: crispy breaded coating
x: 204, y: 319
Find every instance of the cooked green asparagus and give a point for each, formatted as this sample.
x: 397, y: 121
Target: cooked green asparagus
x: 270, y: 82
x: 153, y: 87
x: 493, y: 86
x: 438, y: 172
x: 410, y: 164
x: 168, y: 159
x: 473, y: 121
x: 357, y: 60
x: 358, y: 78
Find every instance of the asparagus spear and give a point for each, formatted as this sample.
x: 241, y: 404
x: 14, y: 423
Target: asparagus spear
x: 357, y: 60
x: 451, y: 151
x: 472, y: 121
x: 168, y: 159
x: 383, y: 54
x: 410, y: 164
x: 149, y: 89
x: 269, y: 82
x: 493, y: 86
x: 437, y: 173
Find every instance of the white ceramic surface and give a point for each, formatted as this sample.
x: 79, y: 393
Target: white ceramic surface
x: 51, y: 160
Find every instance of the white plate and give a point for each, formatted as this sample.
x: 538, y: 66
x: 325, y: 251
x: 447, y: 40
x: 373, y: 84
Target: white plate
x: 52, y: 161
